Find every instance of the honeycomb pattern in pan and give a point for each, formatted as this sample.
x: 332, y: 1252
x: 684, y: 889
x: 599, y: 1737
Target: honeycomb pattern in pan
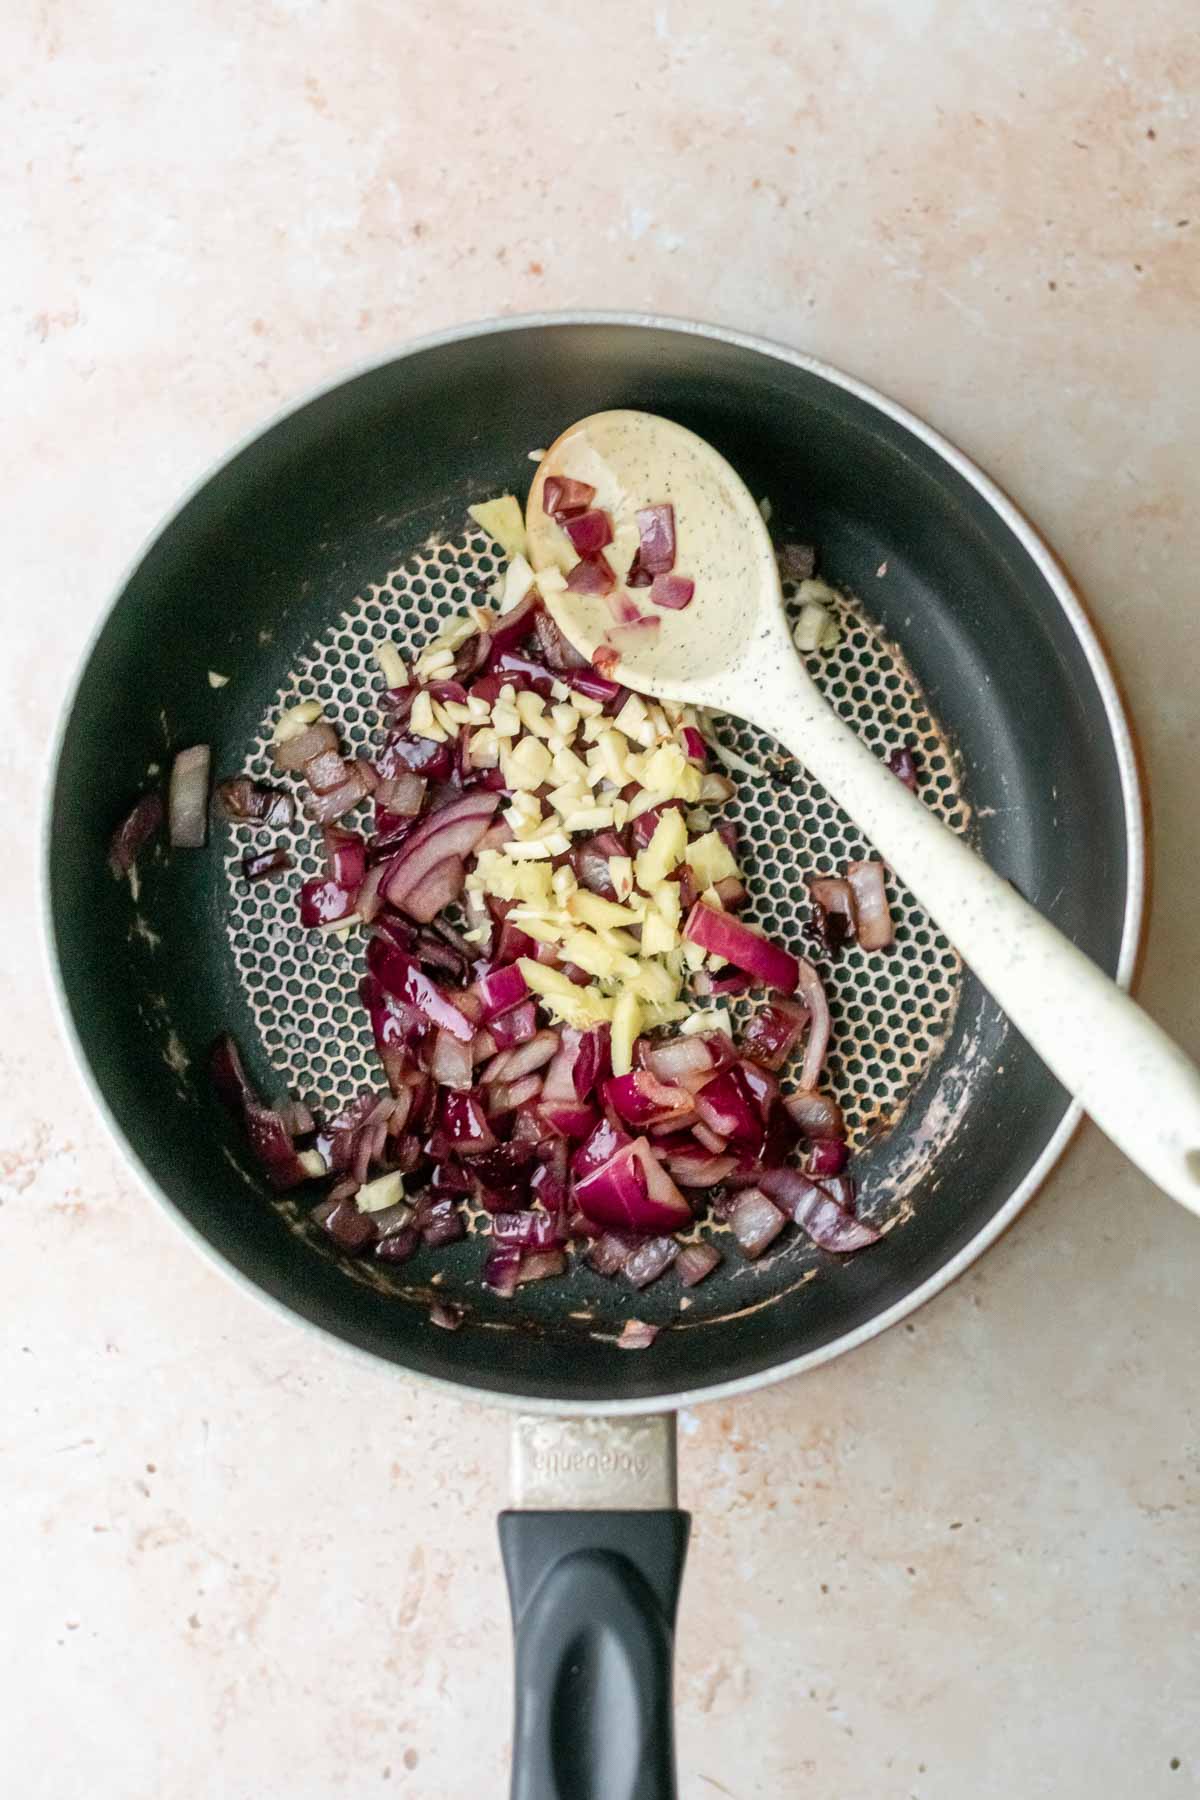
x: 890, y: 1011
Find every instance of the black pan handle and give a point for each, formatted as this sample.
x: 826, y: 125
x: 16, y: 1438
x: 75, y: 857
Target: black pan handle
x: 594, y: 1592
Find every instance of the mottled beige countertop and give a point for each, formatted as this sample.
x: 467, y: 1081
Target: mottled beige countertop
x: 960, y: 1564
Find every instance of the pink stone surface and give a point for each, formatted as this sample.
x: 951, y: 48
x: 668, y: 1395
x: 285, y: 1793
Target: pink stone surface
x: 961, y: 1562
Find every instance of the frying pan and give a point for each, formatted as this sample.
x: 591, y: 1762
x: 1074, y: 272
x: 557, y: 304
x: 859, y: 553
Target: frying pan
x: 345, y: 519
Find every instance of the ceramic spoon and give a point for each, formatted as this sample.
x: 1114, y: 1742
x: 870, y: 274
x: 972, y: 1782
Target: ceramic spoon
x: 731, y: 649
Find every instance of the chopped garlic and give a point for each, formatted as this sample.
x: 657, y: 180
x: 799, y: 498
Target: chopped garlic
x: 589, y: 818
x: 569, y: 767
x: 506, y: 720
x: 518, y: 579
x: 531, y: 710
x: 566, y: 719
x: 479, y: 709
x: 586, y: 707
x: 710, y: 860
x: 564, y: 883
x: 296, y: 719
x: 715, y: 1019
x: 658, y: 935
x: 620, y: 873
x: 217, y: 681
x: 626, y: 1027
x: 573, y: 1005
x: 391, y: 664
x: 815, y: 629
x: 503, y: 521
x: 597, y: 957
x: 662, y: 852
x: 527, y: 765
x: 595, y: 910
x: 456, y: 712
x: 663, y: 768
x: 556, y: 843
x: 632, y: 715
x: 422, y: 722
x: 313, y: 1164
x: 384, y: 1191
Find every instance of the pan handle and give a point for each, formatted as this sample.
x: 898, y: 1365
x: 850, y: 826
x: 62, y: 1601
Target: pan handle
x: 594, y: 1588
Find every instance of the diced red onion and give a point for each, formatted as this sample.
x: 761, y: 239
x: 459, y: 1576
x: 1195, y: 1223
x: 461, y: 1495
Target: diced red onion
x: 641, y: 1100
x: 531, y: 1230
x: 540, y: 1265
x: 445, y: 1315
x: 323, y: 901
x: 656, y: 535
x: 731, y: 938
x: 442, y: 1223
x: 756, y: 1221
x: 872, y: 915
x: 514, y: 1027
x: 633, y: 1192
x: 134, y: 832
x: 570, y: 1118
x: 593, y: 685
x: 695, y: 1167
x: 502, y: 1269
x: 258, y: 864
x: 637, y: 1335
x: 325, y: 772
x: 650, y: 1260
x: 770, y: 1036
x: 728, y: 1106
x: 523, y: 1059
x: 187, y: 809
x: 400, y: 795
x: 561, y: 496
x: 903, y: 765
x: 682, y: 1061
x: 501, y: 989
x: 326, y: 809
x: 269, y: 1139
x: 694, y: 746
x: 709, y: 1139
x: 557, y: 651
x: 818, y: 1115
x: 696, y: 1262
x: 401, y: 976
x: 591, y: 575
x: 450, y: 1064
x: 294, y: 752
x: 506, y: 1096
x: 672, y: 591
x: 465, y: 1124
x: 445, y: 837
x: 623, y: 610
x: 351, y: 1231
x: 607, y: 1253
x: 828, y: 1156
x: 423, y: 757
x: 822, y: 1211
x: 399, y: 1246
x: 589, y: 531
x: 256, y: 802
x: 812, y: 992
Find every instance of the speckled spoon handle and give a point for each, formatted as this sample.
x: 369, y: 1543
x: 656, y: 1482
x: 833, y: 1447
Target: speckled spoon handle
x: 1136, y: 1084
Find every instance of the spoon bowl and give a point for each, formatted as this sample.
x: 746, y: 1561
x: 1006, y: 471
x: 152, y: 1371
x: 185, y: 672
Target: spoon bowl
x: 730, y: 649
x: 699, y: 653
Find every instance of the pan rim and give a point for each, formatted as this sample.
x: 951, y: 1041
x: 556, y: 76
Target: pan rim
x: 1052, y: 571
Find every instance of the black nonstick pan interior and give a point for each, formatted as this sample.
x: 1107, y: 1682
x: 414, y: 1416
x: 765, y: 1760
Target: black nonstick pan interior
x: 347, y: 518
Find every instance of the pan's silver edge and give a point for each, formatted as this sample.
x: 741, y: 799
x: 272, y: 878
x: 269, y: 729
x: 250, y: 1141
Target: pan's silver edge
x: 1072, y: 606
